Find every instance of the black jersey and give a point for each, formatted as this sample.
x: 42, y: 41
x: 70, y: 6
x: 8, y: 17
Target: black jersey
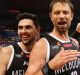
x: 55, y: 44
x: 18, y: 62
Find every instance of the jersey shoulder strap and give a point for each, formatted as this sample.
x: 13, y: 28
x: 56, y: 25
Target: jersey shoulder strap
x: 75, y: 43
x: 50, y: 39
x: 17, y: 48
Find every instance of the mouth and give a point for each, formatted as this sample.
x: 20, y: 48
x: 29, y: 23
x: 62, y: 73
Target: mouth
x: 61, y: 23
x: 25, y: 37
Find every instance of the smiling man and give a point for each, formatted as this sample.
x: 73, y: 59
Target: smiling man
x: 14, y: 59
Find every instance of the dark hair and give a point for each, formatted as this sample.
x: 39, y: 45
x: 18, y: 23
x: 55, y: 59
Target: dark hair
x: 33, y: 17
x: 62, y: 1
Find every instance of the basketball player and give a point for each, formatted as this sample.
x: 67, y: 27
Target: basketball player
x: 14, y: 58
x: 57, y: 46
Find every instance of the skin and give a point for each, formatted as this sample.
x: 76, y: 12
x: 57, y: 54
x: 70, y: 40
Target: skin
x: 78, y: 28
x: 27, y: 33
x: 61, y: 17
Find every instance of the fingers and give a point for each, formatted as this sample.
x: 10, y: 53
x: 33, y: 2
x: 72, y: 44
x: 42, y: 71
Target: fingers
x: 78, y: 28
x: 62, y: 48
x: 70, y: 59
x: 63, y: 57
x: 71, y: 52
x: 70, y: 55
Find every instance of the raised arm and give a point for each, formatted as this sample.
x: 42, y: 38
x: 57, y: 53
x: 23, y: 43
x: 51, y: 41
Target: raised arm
x: 37, y: 58
x: 78, y: 28
x: 77, y: 32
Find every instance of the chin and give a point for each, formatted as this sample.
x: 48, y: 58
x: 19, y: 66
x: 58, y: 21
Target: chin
x: 62, y: 32
x: 25, y: 42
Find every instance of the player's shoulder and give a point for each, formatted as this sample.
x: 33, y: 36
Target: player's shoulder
x: 6, y: 50
x: 41, y: 42
x: 5, y: 54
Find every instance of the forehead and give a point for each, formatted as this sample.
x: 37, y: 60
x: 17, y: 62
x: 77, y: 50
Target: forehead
x: 61, y: 6
x: 25, y: 22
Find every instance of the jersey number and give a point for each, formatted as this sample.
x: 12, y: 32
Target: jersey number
x: 74, y: 73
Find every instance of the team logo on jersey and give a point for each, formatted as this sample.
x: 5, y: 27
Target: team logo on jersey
x: 25, y: 63
x: 18, y: 55
x: 67, y: 45
x: 56, y: 47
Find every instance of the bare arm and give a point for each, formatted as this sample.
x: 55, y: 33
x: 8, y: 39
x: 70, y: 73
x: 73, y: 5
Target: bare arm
x: 39, y: 73
x: 4, y: 58
x: 37, y: 58
x: 63, y: 57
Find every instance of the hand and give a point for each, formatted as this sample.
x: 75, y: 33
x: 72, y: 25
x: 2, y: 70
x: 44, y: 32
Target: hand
x: 63, y: 57
x: 78, y: 28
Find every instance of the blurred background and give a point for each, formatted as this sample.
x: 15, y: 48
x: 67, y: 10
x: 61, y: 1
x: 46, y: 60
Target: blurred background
x: 10, y: 8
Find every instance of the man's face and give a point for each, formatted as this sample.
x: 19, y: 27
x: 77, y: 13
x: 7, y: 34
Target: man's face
x: 27, y: 31
x: 61, y: 17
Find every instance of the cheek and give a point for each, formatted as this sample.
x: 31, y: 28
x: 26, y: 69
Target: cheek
x: 34, y: 32
x: 54, y: 18
x: 70, y: 17
x: 19, y: 33
x: 69, y: 20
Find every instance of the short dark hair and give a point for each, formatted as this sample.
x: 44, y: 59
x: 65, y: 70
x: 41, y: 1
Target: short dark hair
x: 33, y: 17
x: 62, y: 1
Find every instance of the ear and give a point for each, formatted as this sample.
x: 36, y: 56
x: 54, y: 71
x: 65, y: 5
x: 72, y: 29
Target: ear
x: 38, y: 29
x: 50, y: 14
x: 72, y: 15
x: 38, y: 33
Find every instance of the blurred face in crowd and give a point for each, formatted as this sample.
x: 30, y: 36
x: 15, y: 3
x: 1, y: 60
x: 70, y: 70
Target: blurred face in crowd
x: 61, y: 16
x: 27, y: 31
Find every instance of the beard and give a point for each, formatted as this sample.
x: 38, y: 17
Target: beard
x: 62, y: 31
x: 28, y: 42
x: 62, y: 28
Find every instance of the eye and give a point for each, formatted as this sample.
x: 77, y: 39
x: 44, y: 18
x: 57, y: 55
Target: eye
x: 20, y: 27
x: 66, y: 12
x: 28, y: 27
x: 57, y: 12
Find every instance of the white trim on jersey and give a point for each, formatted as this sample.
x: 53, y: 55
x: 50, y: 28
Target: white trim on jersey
x: 48, y: 50
x: 11, y: 58
x: 59, y: 39
x: 12, y: 55
x: 25, y: 51
x: 48, y: 45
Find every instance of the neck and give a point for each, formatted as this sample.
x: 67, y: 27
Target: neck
x: 27, y: 47
x: 64, y: 36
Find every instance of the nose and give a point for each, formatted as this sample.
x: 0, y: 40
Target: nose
x: 24, y: 30
x: 61, y: 15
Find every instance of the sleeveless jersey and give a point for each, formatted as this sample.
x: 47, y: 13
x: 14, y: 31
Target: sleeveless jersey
x: 55, y: 44
x: 18, y: 62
